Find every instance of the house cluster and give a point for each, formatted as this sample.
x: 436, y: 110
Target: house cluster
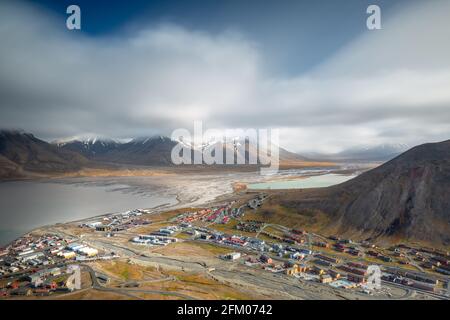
x: 249, y: 226
x: 428, y: 258
x: 36, y: 265
x: 294, y: 238
x: 232, y: 240
x: 30, y: 252
x: 412, y: 279
x: 153, y: 240
x: 343, y: 246
x: 220, y: 214
x: 294, y: 268
x: 119, y: 221
x: 42, y: 282
x: 166, y: 231
x: 323, y: 268
x: 77, y: 251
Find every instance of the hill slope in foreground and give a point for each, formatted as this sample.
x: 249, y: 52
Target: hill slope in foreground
x: 22, y: 154
x: 407, y: 198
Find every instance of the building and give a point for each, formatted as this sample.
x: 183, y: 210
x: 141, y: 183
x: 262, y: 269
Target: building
x: 93, y: 225
x: 326, y: 278
x: 327, y: 258
x: 21, y: 292
x: 424, y: 286
x: 317, y: 270
x: 334, y: 274
x: 67, y: 254
x: 89, y: 252
x: 297, y: 255
x: 33, y: 278
x: 322, y: 244
x: 31, y: 256
x: 75, y: 246
x: 322, y: 262
x: 233, y: 256
x: 55, y: 271
x: 356, y: 278
x: 265, y: 259
x: 102, y: 228
x: 357, y: 265
x: 295, y: 269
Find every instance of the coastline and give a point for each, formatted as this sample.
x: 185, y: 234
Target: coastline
x: 181, y: 200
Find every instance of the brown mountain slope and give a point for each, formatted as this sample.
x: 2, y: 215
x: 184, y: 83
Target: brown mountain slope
x: 21, y: 152
x: 406, y: 198
x: 147, y: 151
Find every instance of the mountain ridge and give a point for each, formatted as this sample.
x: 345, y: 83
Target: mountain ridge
x: 22, y: 154
x: 405, y: 198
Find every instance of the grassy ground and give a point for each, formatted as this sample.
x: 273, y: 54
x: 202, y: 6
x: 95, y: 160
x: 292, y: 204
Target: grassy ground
x: 277, y: 214
x: 123, y: 270
x: 91, y: 294
x: 202, y: 287
x: 197, y: 285
x: 230, y: 228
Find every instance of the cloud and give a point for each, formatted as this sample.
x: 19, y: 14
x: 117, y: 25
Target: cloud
x: 386, y: 86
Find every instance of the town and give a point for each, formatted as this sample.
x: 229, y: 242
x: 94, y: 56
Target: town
x: 42, y: 264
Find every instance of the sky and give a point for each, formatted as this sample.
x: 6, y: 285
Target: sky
x: 311, y: 69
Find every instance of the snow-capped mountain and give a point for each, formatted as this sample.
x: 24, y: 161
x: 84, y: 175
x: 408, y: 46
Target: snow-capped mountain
x: 245, y: 150
x: 153, y: 150
x: 90, y: 147
x: 156, y: 150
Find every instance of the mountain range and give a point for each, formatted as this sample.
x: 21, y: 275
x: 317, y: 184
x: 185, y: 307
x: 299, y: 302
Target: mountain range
x: 22, y: 154
x: 405, y: 198
x: 140, y: 151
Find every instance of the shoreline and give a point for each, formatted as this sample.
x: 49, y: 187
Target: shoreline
x: 236, y: 187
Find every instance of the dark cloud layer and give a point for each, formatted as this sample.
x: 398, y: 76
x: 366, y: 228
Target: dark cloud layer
x: 390, y: 86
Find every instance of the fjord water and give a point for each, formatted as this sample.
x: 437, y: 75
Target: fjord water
x: 26, y: 205
x: 320, y: 181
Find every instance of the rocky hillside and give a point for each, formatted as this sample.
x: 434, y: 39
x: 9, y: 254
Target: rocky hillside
x: 22, y: 152
x: 406, y: 198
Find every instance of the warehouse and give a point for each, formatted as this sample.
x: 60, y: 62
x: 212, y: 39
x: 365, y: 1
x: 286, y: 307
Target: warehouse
x: 67, y: 254
x: 31, y: 256
x: 90, y: 252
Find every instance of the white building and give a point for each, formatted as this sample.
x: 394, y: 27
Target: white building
x: 233, y: 256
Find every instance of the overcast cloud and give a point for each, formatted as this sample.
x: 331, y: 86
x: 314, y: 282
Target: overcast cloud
x: 391, y: 85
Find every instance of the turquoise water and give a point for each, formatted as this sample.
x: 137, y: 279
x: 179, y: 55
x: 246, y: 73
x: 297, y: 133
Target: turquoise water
x: 321, y: 181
